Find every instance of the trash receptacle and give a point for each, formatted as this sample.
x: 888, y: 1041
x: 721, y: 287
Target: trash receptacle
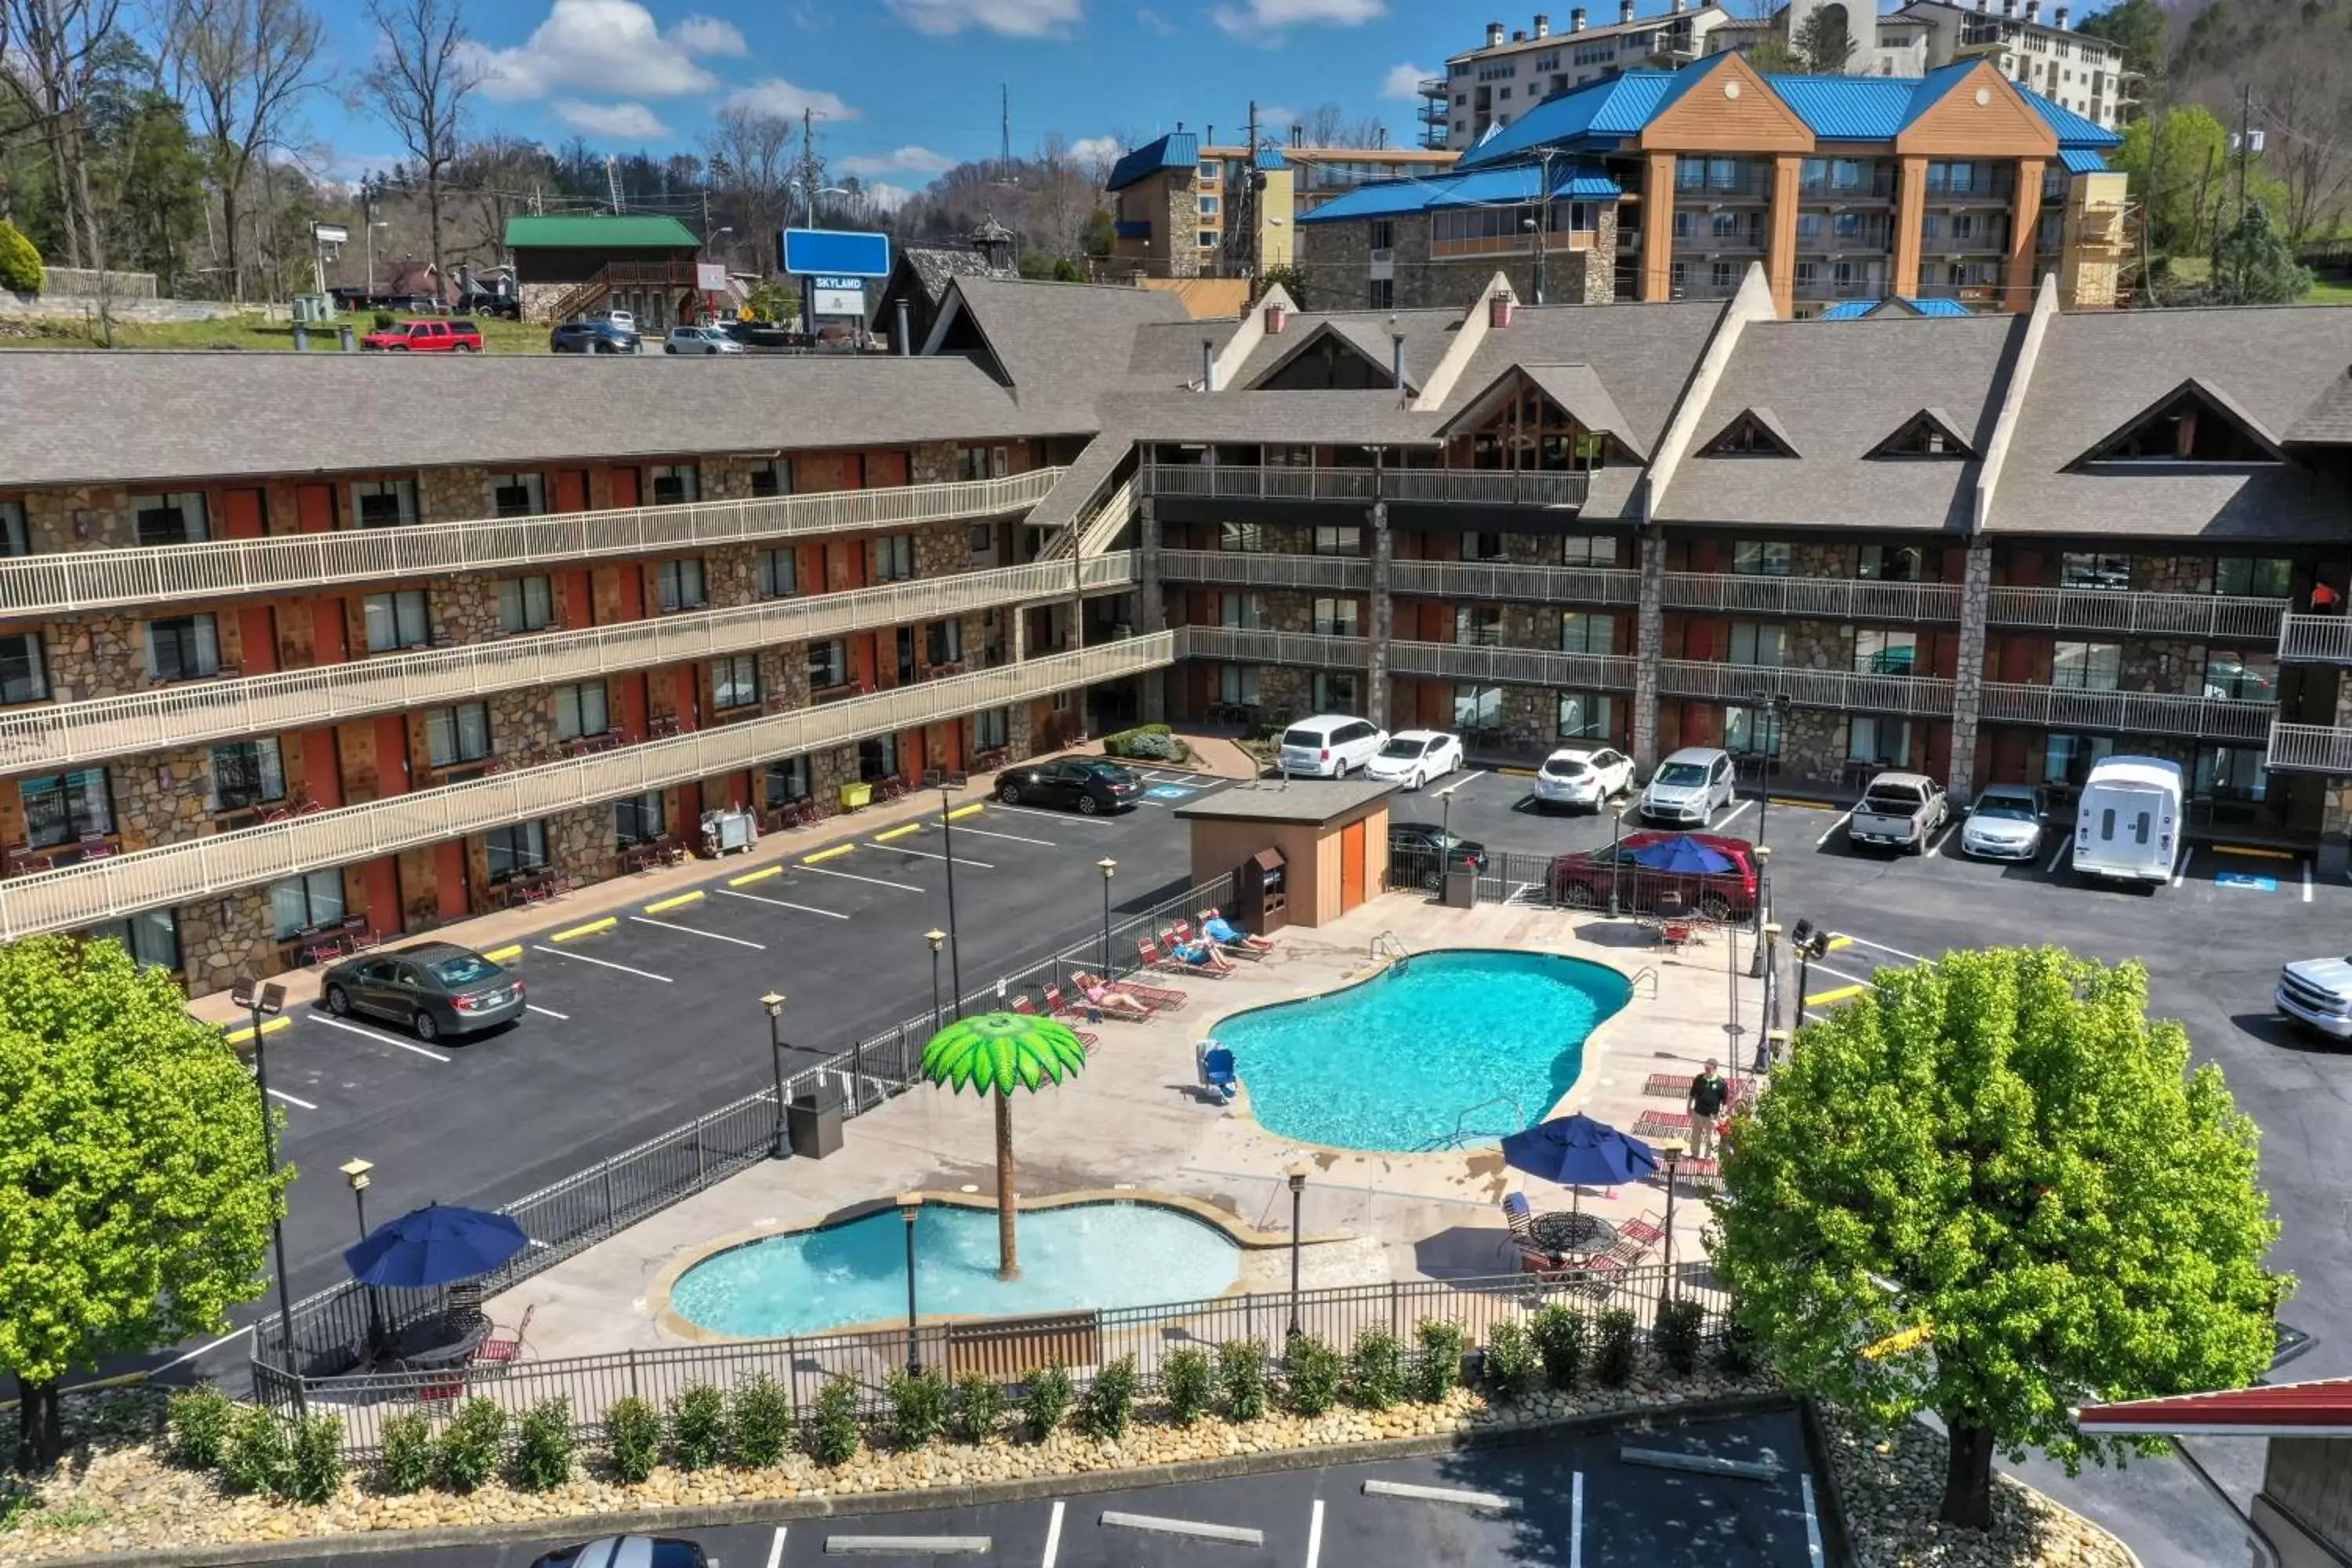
x: 856, y: 796
x: 813, y: 1121
x: 1461, y: 886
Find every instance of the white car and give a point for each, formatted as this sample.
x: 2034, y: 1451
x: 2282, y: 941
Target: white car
x: 700, y: 340
x: 1414, y: 757
x: 1331, y: 745
x: 1573, y: 777
x: 2004, y: 823
x: 1689, y: 787
x: 625, y: 319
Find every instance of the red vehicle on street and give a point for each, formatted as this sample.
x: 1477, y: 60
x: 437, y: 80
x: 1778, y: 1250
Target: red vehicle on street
x: 1582, y: 880
x: 434, y: 337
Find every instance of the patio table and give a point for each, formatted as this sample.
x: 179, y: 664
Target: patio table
x: 1563, y: 1234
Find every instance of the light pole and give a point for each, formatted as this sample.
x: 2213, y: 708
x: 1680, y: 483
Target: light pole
x: 267, y: 1002
x: 1671, y: 1149
x: 947, y: 781
x: 1767, y: 1057
x: 1773, y: 705
x: 1106, y: 865
x: 774, y: 1003
x: 1297, y: 1200
x: 938, y: 939
x: 1616, y: 854
x: 910, y: 1205
x: 1763, y: 911
x: 355, y: 1171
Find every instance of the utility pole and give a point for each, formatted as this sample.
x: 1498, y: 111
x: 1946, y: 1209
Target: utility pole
x: 1543, y: 218
x: 1004, y: 130
x: 2245, y: 151
x: 809, y: 177
x: 1252, y: 209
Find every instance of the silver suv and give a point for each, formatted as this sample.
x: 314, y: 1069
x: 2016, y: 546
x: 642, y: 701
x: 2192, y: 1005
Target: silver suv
x: 1689, y: 787
x: 700, y: 340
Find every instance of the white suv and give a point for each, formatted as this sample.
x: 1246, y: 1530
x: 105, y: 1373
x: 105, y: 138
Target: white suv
x: 1689, y: 786
x: 1331, y: 745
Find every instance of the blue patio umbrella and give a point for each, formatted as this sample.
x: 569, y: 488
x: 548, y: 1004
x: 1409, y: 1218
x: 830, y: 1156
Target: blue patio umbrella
x: 439, y: 1244
x: 1577, y: 1150
x: 1682, y: 853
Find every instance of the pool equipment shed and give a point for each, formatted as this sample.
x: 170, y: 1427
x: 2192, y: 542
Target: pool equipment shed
x: 1332, y: 836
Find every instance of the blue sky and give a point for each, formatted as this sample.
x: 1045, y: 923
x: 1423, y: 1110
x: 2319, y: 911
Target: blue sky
x: 907, y: 86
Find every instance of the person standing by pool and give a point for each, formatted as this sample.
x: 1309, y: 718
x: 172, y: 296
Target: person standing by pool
x: 1707, y: 1094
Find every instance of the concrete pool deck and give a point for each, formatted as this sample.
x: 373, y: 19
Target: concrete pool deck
x: 1133, y: 1120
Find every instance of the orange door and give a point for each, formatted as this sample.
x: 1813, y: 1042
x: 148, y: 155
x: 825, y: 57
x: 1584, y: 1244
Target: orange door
x: 625, y: 486
x: 257, y: 630
x: 329, y: 637
x: 579, y: 600
x: 322, y: 769
x: 391, y: 756
x: 689, y: 811
x: 243, y: 515
x: 314, y: 508
x: 1352, y: 866
x: 449, y: 880
x: 380, y: 887
x: 688, y: 689
x: 571, y: 490
x: 633, y: 591
x: 632, y: 706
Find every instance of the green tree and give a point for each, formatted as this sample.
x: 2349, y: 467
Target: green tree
x: 2178, y: 162
x: 2140, y: 28
x: 134, y: 1203
x: 1824, y: 42
x: 20, y: 263
x: 2253, y: 264
x: 2002, y: 1148
x: 1292, y: 281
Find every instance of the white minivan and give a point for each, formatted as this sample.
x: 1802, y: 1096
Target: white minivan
x: 1331, y: 745
x: 2127, y: 823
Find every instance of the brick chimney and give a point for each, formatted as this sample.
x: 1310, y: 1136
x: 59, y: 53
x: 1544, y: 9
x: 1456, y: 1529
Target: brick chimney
x: 1494, y: 34
x: 1576, y: 20
x: 1499, y: 309
x: 1543, y: 25
x: 1276, y: 317
x: 1624, y: 10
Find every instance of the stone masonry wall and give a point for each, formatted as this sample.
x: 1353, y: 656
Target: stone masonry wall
x: 1812, y: 746
x: 160, y: 800
x: 580, y: 843
x: 463, y: 607
x: 95, y: 656
x: 2172, y: 574
x: 934, y: 463
x: 227, y: 938
x: 2163, y: 664
x: 81, y: 517
x: 452, y: 495
x: 1817, y: 644
x: 726, y: 478
x: 1335, y: 258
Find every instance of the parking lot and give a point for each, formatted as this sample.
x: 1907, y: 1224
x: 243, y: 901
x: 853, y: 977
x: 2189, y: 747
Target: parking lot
x: 1566, y: 1504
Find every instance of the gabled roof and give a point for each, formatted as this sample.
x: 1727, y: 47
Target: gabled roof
x: 2328, y: 421
x: 1269, y: 158
x: 2319, y: 1409
x: 1513, y: 182
x: 1177, y: 149
x: 2212, y: 397
x: 1048, y: 339
x: 1756, y: 417
x: 932, y: 266
x: 1357, y: 334
x: 2073, y: 130
x: 1602, y: 111
x: 1935, y: 417
x: 1894, y: 305
x: 1575, y: 389
x: 590, y: 231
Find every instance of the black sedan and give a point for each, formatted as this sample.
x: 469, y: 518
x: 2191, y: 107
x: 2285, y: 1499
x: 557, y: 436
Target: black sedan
x: 1088, y: 783
x: 591, y: 337
x: 1418, y: 849
x: 435, y: 988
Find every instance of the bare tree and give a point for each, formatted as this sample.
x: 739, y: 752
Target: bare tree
x: 1062, y: 197
x: 2306, y: 100
x: 243, y: 65
x: 52, y: 49
x: 418, y: 84
x: 749, y: 158
x: 1328, y: 125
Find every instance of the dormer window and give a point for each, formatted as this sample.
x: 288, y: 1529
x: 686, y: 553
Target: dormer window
x: 1927, y: 434
x: 2192, y: 425
x: 1755, y: 434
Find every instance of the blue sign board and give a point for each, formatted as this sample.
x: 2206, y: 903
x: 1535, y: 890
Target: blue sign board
x: 834, y: 253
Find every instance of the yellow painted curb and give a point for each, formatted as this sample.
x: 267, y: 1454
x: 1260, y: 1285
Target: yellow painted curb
x: 758, y: 876
x: 1517, y: 772
x: 1839, y: 941
x: 2254, y: 849
x: 1823, y: 998
x: 268, y: 1027
x: 1789, y: 802
x: 590, y: 929
x: 679, y: 902
x: 837, y: 850
x: 963, y: 811
x: 504, y: 954
x: 885, y: 837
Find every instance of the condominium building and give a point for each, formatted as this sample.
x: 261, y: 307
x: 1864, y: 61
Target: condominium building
x: 357, y: 654
x: 1665, y: 185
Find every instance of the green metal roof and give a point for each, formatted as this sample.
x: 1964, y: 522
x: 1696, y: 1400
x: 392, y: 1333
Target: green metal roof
x: 595, y: 232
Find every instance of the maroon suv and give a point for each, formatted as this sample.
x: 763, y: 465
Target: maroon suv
x: 1582, y: 880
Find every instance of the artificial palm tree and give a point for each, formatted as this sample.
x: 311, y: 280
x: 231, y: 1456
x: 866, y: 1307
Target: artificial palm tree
x: 996, y: 1053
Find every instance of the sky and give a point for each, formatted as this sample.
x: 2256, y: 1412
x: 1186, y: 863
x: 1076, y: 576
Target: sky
x: 905, y: 88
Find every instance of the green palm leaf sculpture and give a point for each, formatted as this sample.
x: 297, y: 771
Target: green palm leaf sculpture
x: 996, y: 1053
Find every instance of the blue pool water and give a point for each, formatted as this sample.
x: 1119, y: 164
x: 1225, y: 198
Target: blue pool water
x: 1393, y: 1063
x: 1085, y: 1254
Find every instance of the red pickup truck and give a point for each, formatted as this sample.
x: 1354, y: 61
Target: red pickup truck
x: 435, y: 337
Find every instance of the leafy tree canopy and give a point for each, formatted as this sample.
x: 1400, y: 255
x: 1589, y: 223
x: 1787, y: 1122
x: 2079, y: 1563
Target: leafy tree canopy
x: 2253, y: 264
x: 20, y: 263
x: 2141, y: 28
x: 2002, y: 1147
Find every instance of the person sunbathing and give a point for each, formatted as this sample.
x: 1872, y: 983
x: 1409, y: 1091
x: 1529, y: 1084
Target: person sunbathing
x: 1203, y: 955
x: 1110, y: 1001
x: 1223, y: 933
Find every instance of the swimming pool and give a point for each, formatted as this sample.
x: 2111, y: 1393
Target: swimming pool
x: 1072, y: 1257
x: 1392, y: 1063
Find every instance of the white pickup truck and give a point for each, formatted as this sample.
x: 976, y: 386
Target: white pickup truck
x: 1899, y: 811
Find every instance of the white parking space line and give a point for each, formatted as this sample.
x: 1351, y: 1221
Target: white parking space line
x: 1818, y: 967
x: 1054, y: 1540
x: 299, y: 1104
x: 1728, y: 821
x: 1314, y: 1535
x: 2306, y: 881
x: 1201, y: 1530
x: 1056, y: 815
x: 783, y: 903
x: 854, y: 877
x: 1814, y: 1555
x: 2064, y: 845
x: 1944, y: 838
x: 1576, y: 1522
x: 1014, y: 838
x: 1882, y: 947
x: 379, y: 1037
x: 1460, y: 1496
x: 925, y: 854
x: 2180, y: 873
x: 602, y: 962
x: 548, y: 1012
x: 776, y: 1547
x: 715, y: 936
x: 1458, y: 784
x: 1841, y: 822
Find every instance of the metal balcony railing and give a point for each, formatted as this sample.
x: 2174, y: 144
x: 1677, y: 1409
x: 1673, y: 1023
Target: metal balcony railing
x: 102, y: 890
x: 1266, y: 569
x: 38, y: 738
x: 2316, y: 639
x: 2138, y: 615
x: 1507, y: 580
x: 175, y: 574
x: 1488, y: 487
x: 2310, y: 748
x: 1917, y: 696
x: 1513, y: 666
x: 1462, y: 486
x: 2129, y: 712
x: 1827, y: 598
x: 1248, y: 645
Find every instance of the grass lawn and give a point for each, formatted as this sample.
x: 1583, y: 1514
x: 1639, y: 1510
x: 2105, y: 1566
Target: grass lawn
x: 252, y: 333
x: 2327, y: 292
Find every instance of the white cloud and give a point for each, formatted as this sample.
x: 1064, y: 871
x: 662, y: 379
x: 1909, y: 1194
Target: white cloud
x: 1260, y: 18
x: 1151, y: 21
x: 606, y: 46
x: 616, y: 120
x: 1089, y: 148
x: 774, y: 95
x: 889, y: 198
x: 902, y: 161
x: 1402, y: 81
x: 1013, y: 18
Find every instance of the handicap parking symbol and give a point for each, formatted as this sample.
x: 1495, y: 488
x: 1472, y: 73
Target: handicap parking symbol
x: 1171, y: 792
x: 2246, y: 880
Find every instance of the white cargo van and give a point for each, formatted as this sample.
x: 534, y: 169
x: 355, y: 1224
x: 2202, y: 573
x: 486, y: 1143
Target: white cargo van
x: 2127, y: 825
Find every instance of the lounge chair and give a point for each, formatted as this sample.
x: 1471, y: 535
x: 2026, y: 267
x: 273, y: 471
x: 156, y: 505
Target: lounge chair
x: 1068, y: 1009
x: 1183, y: 933
x: 1217, y: 1074
x: 1250, y: 940
x: 1643, y: 1228
x: 1021, y: 1004
x: 1160, y: 998
x: 1149, y: 952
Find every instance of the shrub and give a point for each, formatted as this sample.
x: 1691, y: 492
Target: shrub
x: 409, y: 1460
x: 1676, y: 1334
x: 20, y: 262
x: 1737, y: 1355
x: 1109, y: 1408
x: 1044, y: 1400
x: 1437, y: 1365
x: 1310, y: 1375
x: 1188, y: 1379
x: 315, y: 1470
x: 385, y: 320
x: 978, y: 1408
x: 544, y: 1446
x: 1376, y: 1370
x: 1509, y: 1364
x: 473, y: 1446
x: 633, y: 1433
x: 919, y: 1407
x: 1241, y: 1375
x: 1614, y: 1336
x: 834, y: 1437
x: 255, y: 1457
x: 199, y: 1420
x: 758, y: 1423
x: 1154, y: 748
x: 697, y: 1427
x: 1560, y: 1335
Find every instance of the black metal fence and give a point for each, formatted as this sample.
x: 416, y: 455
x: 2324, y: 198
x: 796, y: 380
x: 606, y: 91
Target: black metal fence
x: 1007, y: 1348
x: 1546, y: 881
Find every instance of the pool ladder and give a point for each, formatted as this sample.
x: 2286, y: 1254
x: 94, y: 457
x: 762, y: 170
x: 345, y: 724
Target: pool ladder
x: 1389, y: 946
x: 1650, y: 974
x: 1459, y: 1138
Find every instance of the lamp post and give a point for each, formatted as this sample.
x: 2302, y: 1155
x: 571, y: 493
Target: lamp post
x: 261, y: 1002
x: 1763, y: 908
x: 1616, y: 853
x: 938, y: 939
x: 1767, y: 1057
x: 1297, y: 1198
x: 1106, y: 865
x: 355, y: 1172
x: 946, y: 780
x: 910, y: 1205
x: 1671, y: 1150
x: 774, y: 1003
x: 1773, y: 705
